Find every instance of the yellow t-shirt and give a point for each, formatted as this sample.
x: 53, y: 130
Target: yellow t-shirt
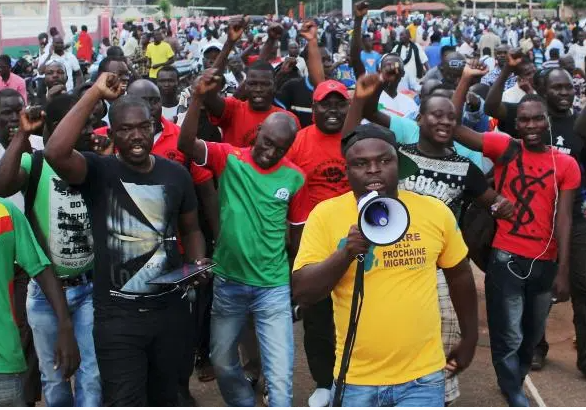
x: 158, y: 54
x: 412, y: 30
x: 398, y: 338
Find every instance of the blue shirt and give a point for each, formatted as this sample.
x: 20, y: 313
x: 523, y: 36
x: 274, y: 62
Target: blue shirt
x: 434, y: 56
x: 407, y: 132
x: 448, y: 41
x: 370, y: 61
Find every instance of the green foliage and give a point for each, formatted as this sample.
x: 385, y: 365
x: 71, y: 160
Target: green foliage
x: 165, y: 7
x: 550, y: 4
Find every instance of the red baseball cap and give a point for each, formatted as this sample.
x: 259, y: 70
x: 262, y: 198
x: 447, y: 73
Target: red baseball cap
x: 330, y: 86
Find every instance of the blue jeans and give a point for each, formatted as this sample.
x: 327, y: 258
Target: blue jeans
x: 517, y: 308
x: 43, y: 322
x: 11, y: 390
x: 271, y: 309
x: 426, y: 391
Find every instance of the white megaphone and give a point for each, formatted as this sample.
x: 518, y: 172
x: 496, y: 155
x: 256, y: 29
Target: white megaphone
x: 381, y: 219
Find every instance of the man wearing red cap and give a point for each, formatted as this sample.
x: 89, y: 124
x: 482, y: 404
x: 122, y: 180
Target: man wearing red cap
x: 317, y: 152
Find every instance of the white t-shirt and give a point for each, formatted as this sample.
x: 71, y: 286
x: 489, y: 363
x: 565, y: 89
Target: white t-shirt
x: 465, y: 50
x: 68, y: 60
x: 170, y: 112
x: 513, y: 95
x: 401, y: 105
x: 578, y: 53
x: 411, y: 67
x: 37, y: 143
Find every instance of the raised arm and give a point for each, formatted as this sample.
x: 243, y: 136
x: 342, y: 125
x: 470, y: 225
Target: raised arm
x: 59, y: 152
x: 314, y: 64
x: 366, y: 86
x: 468, y: 137
x: 360, y: 10
x: 493, y: 105
x: 471, y: 71
x: 188, y: 142
x: 12, y: 177
x: 275, y: 32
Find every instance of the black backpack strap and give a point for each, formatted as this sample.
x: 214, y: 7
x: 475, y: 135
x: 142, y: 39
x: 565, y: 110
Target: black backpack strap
x: 510, y: 153
x: 33, y: 183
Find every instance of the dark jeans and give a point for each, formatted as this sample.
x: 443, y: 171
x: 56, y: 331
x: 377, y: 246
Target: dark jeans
x: 139, y: 354
x: 516, y: 309
x: 578, y: 288
x: 320, y: 342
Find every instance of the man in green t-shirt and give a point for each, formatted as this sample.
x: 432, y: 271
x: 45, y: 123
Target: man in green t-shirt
x: 18, y: 245
x: 60, y: 221
x: 261, y: 195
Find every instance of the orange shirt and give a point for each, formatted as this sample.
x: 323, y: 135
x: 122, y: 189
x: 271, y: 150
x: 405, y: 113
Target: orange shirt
x: 320, y: 157
x: 239, y: 123
x: 549, y: 36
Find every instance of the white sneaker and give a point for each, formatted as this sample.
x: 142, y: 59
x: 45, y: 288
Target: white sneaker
x: 319, y: 398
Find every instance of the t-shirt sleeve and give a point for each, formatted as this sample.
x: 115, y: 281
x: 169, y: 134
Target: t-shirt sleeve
x: 26, y: 162
x: 29, y: 255
x: 199, y: 174
x: 231, y: 104
x: 299, y: 207
x: 169, y: 52
x: 93, y: 172
x: 148, y: 52
x: 454, y: 249
x: 476, y: 183
x: 189, y: 202
x: 285, y: 94
x: 315, y: 246
x: 494, y: 144
x: 406, y: 130
x: 216, y: 156
x: 571, y: 178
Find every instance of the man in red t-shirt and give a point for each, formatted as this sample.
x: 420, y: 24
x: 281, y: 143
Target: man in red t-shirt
x: 239, y: 120
x: 317, y: 152
x: 522, y: 274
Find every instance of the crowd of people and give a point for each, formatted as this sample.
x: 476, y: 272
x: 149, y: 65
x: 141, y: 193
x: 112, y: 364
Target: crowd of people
x: 109, y: 181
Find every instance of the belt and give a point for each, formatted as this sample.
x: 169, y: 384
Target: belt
x: 82, y: 279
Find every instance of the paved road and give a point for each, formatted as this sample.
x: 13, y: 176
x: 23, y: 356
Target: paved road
x: 558, y: 384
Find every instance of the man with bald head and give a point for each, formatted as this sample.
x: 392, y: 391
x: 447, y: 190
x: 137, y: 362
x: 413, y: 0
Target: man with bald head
x: 260, y: 191
x: 57, y: 52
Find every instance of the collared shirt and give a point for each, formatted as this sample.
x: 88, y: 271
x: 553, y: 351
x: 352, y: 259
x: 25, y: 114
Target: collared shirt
x: 490, y: 78
x: 16, y: 83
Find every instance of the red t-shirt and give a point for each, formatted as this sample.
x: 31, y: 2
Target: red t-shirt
x: 166, y: 147
x: 320, y: 157
x: 529, y: 185
x: 239, y: 123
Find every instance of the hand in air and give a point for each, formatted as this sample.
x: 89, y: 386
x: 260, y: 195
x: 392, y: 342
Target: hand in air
x: 208, y: 81
x: 309, y: 30
x: 109, y: 86
x: 236, y: 27
x: 361, y: 8
x: 367, y: 85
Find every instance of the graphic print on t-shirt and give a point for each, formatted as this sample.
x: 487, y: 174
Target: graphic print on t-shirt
x: 70, y: 235
x: 137, y: 240
x: 524, y: 188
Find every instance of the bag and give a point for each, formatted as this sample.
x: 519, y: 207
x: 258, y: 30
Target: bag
x: 478, y: 225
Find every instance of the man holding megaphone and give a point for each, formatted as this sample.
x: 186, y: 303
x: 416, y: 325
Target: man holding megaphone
x: 395, y: 356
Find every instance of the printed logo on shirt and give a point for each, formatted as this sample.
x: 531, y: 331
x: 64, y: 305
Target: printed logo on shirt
x: 559, y: 145
x: 171, y: 155
x: 283, y: 194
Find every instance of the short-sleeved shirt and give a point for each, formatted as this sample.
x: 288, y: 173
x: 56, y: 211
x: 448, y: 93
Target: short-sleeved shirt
x: 17, y: 245
x: 239, y: 122
x: 406, y: 131
x: 135, y: 227
x: 158, y: 54
x: 64, y: 221
x: 446, y: 178
x: 255, y: 205
x: 16, y: 83
x: 529, y: 184
x: 319, y: 156
x: 370, y: 61
x: 399, y: 336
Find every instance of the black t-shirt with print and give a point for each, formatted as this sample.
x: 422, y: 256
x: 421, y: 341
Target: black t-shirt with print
x: 296, y: 95
x: 135, y: 228
x: 564, y: 140
x: 446, y: 178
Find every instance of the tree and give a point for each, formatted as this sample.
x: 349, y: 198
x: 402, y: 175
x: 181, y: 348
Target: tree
x: 165, y: 7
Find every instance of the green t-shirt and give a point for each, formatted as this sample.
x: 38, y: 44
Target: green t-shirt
x: 63, y: 218
x: 256, y: 205
x: 17, y: 244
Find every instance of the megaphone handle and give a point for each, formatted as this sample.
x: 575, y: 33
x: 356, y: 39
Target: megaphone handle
x: 360, y: 257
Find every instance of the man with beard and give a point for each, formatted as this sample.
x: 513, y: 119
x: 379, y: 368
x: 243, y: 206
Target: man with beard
x: 266, y: 190
x: 55, y: 80
x: 60, y: 221
x: 531, y: 258
x: 316, y: 151
x: 168, y: 81
x: 57, y: 52
x: 387, y: 369
x: 139, y: 205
